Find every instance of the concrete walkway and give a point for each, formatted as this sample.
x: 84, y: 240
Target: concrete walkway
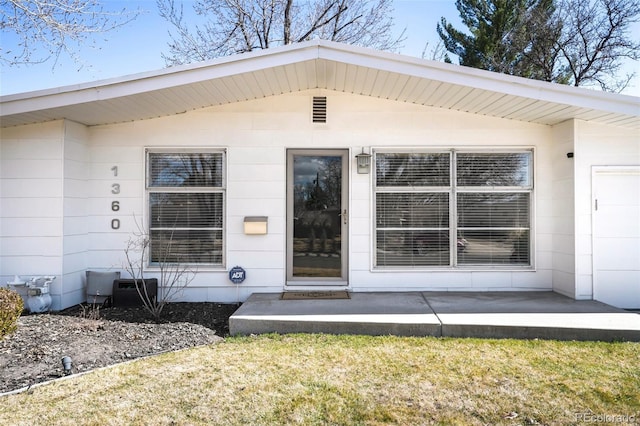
x: 522, y: 315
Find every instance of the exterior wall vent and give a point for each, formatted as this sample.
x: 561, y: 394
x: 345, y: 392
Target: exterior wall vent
x: 319, y: 109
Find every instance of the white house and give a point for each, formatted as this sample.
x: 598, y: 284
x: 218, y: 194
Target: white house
x: 477, y: 181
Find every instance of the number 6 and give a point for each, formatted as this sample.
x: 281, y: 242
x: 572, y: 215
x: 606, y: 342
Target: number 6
x: 115, y: 206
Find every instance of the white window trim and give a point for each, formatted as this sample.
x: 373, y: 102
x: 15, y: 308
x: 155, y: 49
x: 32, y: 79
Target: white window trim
x: 201, y: 267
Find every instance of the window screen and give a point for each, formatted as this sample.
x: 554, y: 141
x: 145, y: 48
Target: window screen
x: 186, y: 207
x: 482, y: 217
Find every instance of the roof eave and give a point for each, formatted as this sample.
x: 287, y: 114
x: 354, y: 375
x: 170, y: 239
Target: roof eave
x: 60, y: 101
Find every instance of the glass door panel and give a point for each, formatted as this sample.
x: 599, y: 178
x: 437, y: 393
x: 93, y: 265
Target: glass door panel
x: 317, y: 215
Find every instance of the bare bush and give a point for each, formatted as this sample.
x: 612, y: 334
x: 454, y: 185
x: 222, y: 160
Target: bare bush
x: 172, y: 277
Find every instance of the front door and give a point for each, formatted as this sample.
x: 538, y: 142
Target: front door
x: 317, y: 217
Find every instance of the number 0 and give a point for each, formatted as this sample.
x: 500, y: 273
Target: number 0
x: 115, y: 223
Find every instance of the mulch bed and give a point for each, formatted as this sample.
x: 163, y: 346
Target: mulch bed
x: 93, y: 339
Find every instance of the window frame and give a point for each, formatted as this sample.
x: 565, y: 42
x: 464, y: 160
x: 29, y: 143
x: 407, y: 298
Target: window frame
x: 148, y: 189
x: 453, y: 189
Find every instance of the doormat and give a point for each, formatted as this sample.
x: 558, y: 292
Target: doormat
x: 310, y: 295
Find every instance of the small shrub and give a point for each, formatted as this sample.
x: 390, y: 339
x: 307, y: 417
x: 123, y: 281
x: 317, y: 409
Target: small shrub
x: 11, y: 306
x: 90, y: 311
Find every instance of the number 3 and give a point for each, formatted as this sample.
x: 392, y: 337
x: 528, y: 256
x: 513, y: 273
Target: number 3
x: 115, y: 188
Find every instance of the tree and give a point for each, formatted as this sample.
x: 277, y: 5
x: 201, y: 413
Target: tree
x: 499, y: 33
x: 577, y: 42
x: 237, y: 26
x: 53, y: 27
x: 596, y: 40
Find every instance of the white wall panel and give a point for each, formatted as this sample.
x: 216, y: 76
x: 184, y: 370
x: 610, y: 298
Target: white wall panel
x: 31, y: 171
x: 45, y: 207
x: 597, y: 145
x: 25, y: 265
x: 541, y: 279
x: 544, y: 260
x: 563, y: 216
x: 256, y: 135
x: 74, y: 244
x: 31, y: 188
x: 74, y: 262
x: 255, y: 190
x: 491, y: 279
x: 23, y: 227
x: 106, y: 260
x: 32, y: 247
x: 255, y: 242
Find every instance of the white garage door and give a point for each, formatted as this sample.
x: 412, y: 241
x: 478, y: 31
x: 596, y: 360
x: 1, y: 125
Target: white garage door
x: 616, y: 236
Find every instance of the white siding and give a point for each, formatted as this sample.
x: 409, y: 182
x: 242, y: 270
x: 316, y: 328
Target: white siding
x: 31, y: 205
x: 76, y: 223
x: 596, y: 145
x: 256, y: 135
x: 64, y: 209
x: 562, y: 201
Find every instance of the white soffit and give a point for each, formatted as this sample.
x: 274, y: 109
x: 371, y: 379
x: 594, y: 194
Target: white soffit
x: 318, y: 65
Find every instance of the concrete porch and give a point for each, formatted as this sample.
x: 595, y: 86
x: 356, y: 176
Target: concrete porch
x: 521, y: 315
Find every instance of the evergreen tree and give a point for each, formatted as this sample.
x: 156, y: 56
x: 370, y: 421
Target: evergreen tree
x: 503, y: 35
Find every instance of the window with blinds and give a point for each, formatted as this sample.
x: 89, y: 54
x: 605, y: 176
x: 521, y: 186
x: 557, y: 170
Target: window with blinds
x: 413, y: 209
x: 186, y: 197
x: 453, y: 208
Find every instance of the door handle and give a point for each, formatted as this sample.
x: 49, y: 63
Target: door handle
x: 344, y: 216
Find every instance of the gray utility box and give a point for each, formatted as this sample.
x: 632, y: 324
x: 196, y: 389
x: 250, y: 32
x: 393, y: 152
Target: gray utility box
x: 125, y: 293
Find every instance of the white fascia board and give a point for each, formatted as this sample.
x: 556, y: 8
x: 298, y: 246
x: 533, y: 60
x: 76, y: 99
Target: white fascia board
x: 311, y: 51
x: 481, y: 79
x: 157, y: 80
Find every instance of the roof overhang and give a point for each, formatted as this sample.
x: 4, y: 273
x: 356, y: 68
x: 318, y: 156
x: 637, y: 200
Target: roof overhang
x: 318, y: 65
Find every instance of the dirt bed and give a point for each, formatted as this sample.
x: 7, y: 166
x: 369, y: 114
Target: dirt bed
x: 34, y: 352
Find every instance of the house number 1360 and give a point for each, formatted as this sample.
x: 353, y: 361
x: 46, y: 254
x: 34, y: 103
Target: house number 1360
x: 115, y: 205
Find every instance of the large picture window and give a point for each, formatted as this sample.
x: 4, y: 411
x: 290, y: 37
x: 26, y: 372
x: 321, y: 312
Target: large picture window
x: 453, y: 208
x: 186, y: 199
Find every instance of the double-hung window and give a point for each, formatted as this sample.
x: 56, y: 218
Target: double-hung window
x: 453, y: 208
x: 186, y: 198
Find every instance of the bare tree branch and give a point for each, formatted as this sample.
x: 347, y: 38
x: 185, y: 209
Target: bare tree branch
x: 54, y: 27
x: 173, y: 277
x: 597, y: 39
x: 578, y: 42
x: 235, y: 26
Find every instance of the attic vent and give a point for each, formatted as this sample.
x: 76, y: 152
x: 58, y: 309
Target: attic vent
x: 319, y: 109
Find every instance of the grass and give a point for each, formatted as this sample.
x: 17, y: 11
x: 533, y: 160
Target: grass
x: 324, y: 379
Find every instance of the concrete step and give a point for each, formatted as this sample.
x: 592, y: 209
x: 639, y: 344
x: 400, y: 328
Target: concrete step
x: 522, y: 315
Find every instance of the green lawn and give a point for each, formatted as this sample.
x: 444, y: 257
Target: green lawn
x: 324, y: 379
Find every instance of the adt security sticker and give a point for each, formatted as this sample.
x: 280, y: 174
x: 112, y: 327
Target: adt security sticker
x: 237, y: 275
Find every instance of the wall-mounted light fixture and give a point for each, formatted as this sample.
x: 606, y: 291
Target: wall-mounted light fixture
x: 255, y: 225
x: 364, y: 162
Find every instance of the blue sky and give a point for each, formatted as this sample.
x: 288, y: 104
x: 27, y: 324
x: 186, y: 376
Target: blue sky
x: 137, y: 47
